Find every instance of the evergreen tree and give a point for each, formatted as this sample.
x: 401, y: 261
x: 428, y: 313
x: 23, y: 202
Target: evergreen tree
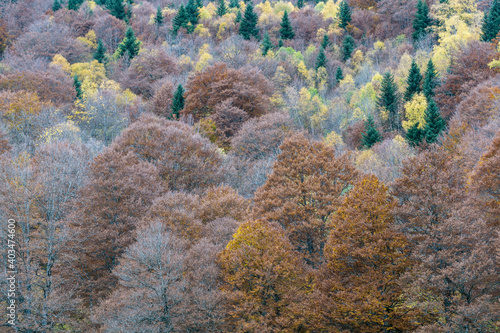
x: 248, y: 25
x: 280, y: 43
x: 180, y: 20
x: 286, y: 31
x: 491, y: 22
x: 422, y: 21
x: 221, y: 10
x: 130, y: 45
x: 430, y: 80
x: 300, y: 4
x: 234, y: 4
x: 339, y: 75
x: 344, y: 14
x: 413, y: 81
x: 321, y: 59
x: 192, y: 13
x: 325, y: 42
x: 178, y: 102
x: 56, y: 5
x: 348, y: 45
x: 414, y: 135
x: 74, y: 4
x: 116, y: 8
x: 159, y: 17
x: 388, y: 100
x: 371, y: 135
x: 434, y: 123
x: 100, y: 52
x: 266, y: 44
x: 78, y: 86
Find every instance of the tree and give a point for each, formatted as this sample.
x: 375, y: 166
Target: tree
x: 300, y: 4
x: 74, y: 4
x: 234, y: 4
x: 303, y: 191
x: 491, y: 22
x: 339, y: 75
x: 221, y: 10
x: 56, y: 5
x: 413, y: 81
x: 371, y: 135
x: 344, y: 14
x: 159, y: 16
x: 348, y: 45
x: 434, y: 124
x: 388, y: 100
x: 422, y: 21
x: 180, y: 20
x: 286, y: 30
x: 177, y: 102
x: 116, y: 8
x: 430, y: 80
x: 192, y: 13
x: 100, y: 52
x: 78, y: 86
x: 248, y: 25
x: 238, y: 17
x: 366, y: 257
x: 415, y: 135
x: 321, y: 59
x: 325, y: 42
x: 129, y: 46
x: 266, y: 44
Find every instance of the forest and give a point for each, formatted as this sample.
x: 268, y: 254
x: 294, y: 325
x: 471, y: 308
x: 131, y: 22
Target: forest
x: 250, y: 166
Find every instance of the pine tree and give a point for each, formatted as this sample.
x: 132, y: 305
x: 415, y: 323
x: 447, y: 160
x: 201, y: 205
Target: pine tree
x: 286, y: 31
x: 234, y: 4
x: 434, y: 123
x: 348, y: 46
x: 413, y: 81
x: 130, y: 45
x: 221, y: 10
x: 238, y: 17
x: 300, y: 4
x: 491, y: 22
x: 78, y: 86
x: 178, y: 102
x: 159, y: 17
x: 266, y: 44
x: 344, y: 14
x: 192, y: 13
x: 321, y: 59
x: 414, y: 135
x: 74, y: 4
x: 371, y: 135
x: 388, y: 100
x: 339, y: 75
x: 56, y: 5
x: 422, y: 21
x: 116, y: 8
x: 248, y: 26
x: 325, y: 42
x: 280, y: 43
x: 100, y: 52
x: 180, y: 20
x: 430, y: 80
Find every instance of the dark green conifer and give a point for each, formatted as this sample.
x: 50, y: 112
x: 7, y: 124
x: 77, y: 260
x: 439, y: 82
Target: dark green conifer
x: 371, y: 135
x: 180, y: 20
x: 234, y: 4
x: 178, y: 102
x: 56, y: 5
x: 300, y: 4
x: 491, y: 22
x: 159, y: 16
x: 434, y: 123
x: 74, y: 4
x: 422, y: 21
x: 414, y: 79
x: 280, y: 43
x: 339, y: 75
x: 286, y: 31
x: 414, y: 135
x: 248, y: 25
x: 116, y: 8
x: 78, y: 86
x: 221, y: 10
x: 430, y: 80
x: 321, y: 59
x: 388, y: 100
x: 100, y: 52
x: 344, y: 14
x: 325, y: 42
x: 192, y: 13
x: 266, y: 44
x: 348, y: 45
x: 130, y: 45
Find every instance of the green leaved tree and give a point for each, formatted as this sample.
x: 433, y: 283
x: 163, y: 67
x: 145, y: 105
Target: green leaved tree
x: 422, y: 21
x: 371, y: 135
x: 434, y: 123
x: 491, y: 22
x: 388, y: 101
x: 266, y: 44
x: 129, y: 46
x: 348, y: 45
x: 344, y: 14
x: 413, y: 81
x: 430, y: 80
x: 248, y: 25
x: 177, y: 102
x: 321, y: 59
x: 286, y: 31
x: 221, y: 9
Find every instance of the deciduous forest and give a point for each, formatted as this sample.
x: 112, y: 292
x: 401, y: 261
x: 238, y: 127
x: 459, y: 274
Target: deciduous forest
x: 250, y: 166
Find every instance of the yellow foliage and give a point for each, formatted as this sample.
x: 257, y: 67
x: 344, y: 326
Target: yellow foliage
x: 222, y: 30
x: 312, y: 110
x: 204, y: 58
x: 415, y: 111
x: 207, y: 13
x: 91, y: 4
x: 61, y: 62
x: 303, y: 69
x: 333, y: 139
x: 201, y: 31
x: 330, y: 9
x: 67, y: 130
x: 89, y: 40
x: 365, y: 158
x: 379, y: 45
x: 185, y: 62
x: 401, y: 73
x: 91, y: 74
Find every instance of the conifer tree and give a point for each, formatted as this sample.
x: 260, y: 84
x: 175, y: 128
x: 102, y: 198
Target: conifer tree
x: 388, y: 100
x: 371, y: 135
x: 116, y: 8
x: 248, y: 26
x: 286, y: 31
x: 100, y: 52
x: 344, y: 14
x: 339, y: 75
x: 300, y: 4
x: 280, y: 43
x: 56, y: 5
x: 321, y: 59
x: 325, y: 42
x: 422, y: 21
x: 180, y: 20
x: 266, y: 44
x: 430, y: 80
x: 491, y: 22
x: 159, y: 17
x: 178, y: 102
x: 348, y: 46
x: 413, y: 81
x: 221, y: 10
x: 74, y: 4
x: 192, y: 13
x: 238, y: 17
x: 78, y: 86
x: 414, y: 135
x: 434, y: 123
x: 130, y: 45
x: 234, y: 4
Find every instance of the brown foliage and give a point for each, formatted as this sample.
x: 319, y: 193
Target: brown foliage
x: 4, y: 143
x: 353, y: 135
x: 110, y: 29
x: 306, y: 24
x: 228, y: 119
x: 161, y: 103
x: 249, y: 90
